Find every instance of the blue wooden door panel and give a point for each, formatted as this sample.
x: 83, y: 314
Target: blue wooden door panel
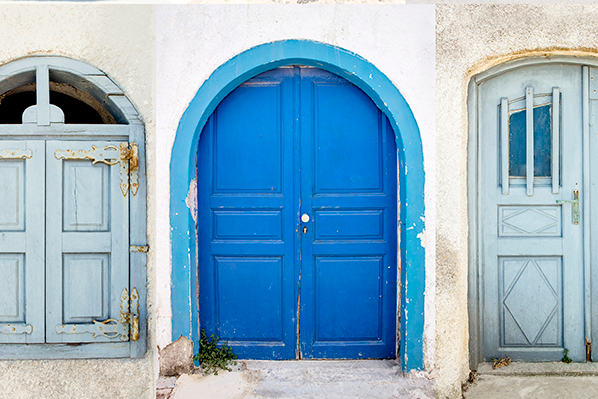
x: 533, y: 265
x: 348, y: 189
x: 22, y: 241
x: 87, y: 254
x: 288, y: 142
x: 247, y: 230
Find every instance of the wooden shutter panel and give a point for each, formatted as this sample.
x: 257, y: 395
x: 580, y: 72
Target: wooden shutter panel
x: 22, y: 241
x: 87, y: 233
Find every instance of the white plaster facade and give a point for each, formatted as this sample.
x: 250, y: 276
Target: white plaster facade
x: 194, y: 40
x: 120, y: 41
x: 471, y: 39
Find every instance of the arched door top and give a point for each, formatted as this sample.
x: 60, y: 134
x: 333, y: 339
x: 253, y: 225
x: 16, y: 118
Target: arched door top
x: 93, y: 84
x: 411, y: 175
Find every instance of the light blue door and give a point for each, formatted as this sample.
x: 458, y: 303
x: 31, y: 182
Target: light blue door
x: 22, y: 241
x: 297, y: 220
x: 532, y: 213
x: 87, y: 242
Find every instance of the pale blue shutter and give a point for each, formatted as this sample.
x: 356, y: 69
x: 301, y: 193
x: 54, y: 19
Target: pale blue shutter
x: 22, y: 241
x: 87, y: 234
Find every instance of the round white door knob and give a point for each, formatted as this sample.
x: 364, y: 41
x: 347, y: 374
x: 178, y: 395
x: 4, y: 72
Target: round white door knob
x: 305, y: 218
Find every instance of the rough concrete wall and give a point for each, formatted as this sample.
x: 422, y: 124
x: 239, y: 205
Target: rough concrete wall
x: 194, y: 40
x: 471, y: 39
x: 119, y: 40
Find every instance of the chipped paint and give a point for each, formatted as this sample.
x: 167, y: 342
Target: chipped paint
x: 191, y: 200
x: 422, y: 238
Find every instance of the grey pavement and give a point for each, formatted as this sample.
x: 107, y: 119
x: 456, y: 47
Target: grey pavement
x: 536, y: 381
x: 363, y: 379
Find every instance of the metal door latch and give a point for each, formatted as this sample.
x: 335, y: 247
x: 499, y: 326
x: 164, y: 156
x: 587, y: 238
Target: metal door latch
x: 575, y: 214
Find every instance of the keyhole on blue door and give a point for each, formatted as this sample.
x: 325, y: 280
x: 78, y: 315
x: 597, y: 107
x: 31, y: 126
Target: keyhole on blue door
x: 304, y: 229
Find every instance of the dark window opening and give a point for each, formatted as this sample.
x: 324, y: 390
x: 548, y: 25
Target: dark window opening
x: 82, y: 110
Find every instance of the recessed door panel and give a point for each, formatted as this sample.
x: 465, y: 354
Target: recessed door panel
x: 297, y: 232
x: 254, y: 130
x: 12, y: 195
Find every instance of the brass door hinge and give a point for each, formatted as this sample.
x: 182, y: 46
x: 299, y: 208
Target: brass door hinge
x: 130, y: 317
x: 129, y: 166
x: 128, y: 323
x: 127, y: 155
x: 139, y: 248
x: 15, y: 154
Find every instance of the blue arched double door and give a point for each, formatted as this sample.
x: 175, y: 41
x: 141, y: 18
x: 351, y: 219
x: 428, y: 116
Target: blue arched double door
x: 297, y: 226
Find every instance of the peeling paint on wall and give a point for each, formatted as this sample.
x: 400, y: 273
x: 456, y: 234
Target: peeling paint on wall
x: 191, y: 199
x: 422, y: 238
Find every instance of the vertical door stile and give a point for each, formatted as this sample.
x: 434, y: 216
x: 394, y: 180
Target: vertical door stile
x: 504, y: 144
x: 138, y: 260
x: 297, y: 156
x: 585, y: 201
x: 592, y: 220
x: 529, y: 140
x: 307, y: 182
x: 556, y: 139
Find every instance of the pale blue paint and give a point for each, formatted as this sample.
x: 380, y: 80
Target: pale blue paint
x: 384, y: 94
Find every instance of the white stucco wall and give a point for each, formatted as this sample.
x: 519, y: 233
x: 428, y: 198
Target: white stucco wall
x: 471, y: 39
x: 192, y: 41
x: 119, y: 40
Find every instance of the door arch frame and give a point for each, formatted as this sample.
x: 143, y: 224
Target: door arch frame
x: 385, y: 95
x: 474, y: 276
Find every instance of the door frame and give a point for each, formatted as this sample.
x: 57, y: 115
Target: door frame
x: 475, y: 277
x: 385, y: 95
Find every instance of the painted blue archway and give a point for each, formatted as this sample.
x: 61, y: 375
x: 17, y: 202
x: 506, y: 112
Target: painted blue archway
x: 411, y: 176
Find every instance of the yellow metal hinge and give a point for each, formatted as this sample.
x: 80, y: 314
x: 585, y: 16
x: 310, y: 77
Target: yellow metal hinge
x: 127, y: 325
x: 127, y: 155
x: 130, y: 318
x: 140, y: 248
x: 129, y: 166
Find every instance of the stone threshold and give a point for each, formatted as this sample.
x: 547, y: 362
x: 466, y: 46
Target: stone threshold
x: 523, y: 369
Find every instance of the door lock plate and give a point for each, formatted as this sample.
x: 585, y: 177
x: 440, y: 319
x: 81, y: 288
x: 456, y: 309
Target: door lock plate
x: 575, y: 214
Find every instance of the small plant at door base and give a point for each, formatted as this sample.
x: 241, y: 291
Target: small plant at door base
x: 212, y: 357
x: 501, y: 362
x: 566, y: 359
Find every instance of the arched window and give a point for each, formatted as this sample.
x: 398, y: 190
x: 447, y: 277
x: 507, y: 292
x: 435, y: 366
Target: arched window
x: 72, y: 213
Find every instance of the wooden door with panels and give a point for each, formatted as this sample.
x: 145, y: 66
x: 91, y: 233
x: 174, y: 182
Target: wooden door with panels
x: 72, y: 218
x: 533, y: 215
x: 297, y: 202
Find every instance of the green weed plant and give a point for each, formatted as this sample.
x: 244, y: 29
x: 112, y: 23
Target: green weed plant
x: 212, y: 357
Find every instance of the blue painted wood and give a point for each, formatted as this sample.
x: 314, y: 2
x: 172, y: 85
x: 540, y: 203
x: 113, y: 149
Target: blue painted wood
x: 533, y: 263
x: 247, y: 228
x: 22, y: 243
x: 254, y: 258
x: 348, y: 164
x: 87, y: 235
x: 409, y: 149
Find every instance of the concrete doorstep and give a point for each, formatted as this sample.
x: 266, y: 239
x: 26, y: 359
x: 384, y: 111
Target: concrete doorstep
x: 346, y: 379
x: 535, y: 381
